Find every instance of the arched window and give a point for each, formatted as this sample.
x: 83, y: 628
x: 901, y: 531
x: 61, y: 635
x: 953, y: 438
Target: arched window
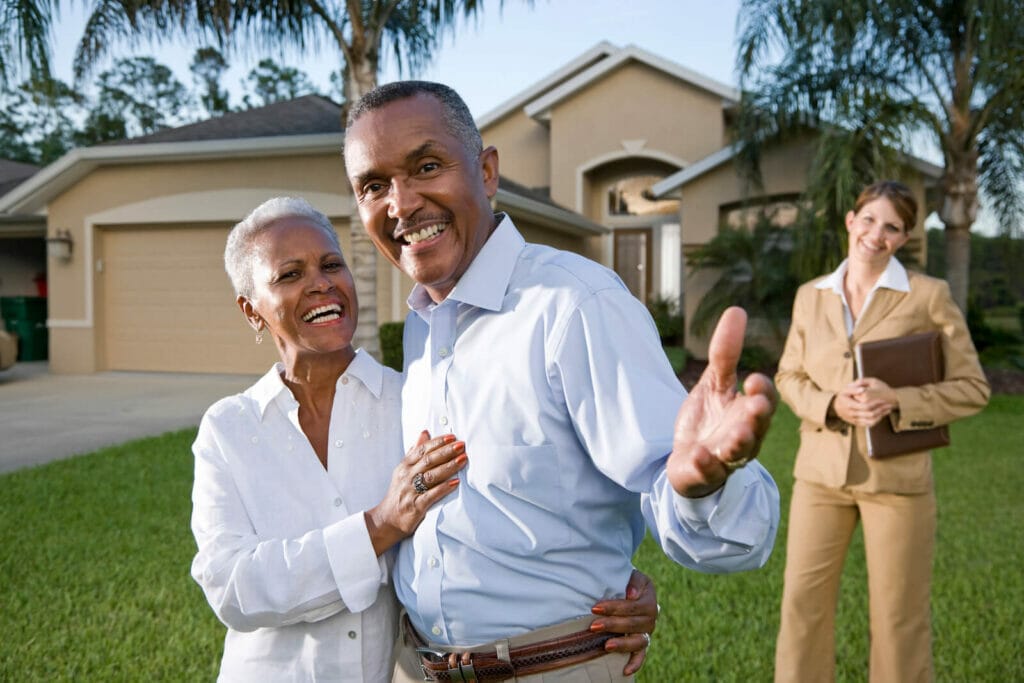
x: 631, y: 197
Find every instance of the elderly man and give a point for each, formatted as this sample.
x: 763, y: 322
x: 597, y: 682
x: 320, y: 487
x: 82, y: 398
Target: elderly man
x: 553, y: 375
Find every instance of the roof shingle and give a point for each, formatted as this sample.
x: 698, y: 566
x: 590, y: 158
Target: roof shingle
x: 310, y: 114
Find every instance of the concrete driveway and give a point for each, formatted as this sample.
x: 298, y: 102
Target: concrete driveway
x: 46, y: 417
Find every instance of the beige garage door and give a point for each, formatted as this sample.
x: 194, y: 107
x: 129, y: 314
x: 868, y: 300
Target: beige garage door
x: 165, y: 304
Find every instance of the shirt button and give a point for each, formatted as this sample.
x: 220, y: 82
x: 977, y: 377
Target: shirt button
x: 443, y: 352
x: 339, y: 443
x: 846, y: 354
x: 366, y: 434
x: 344, y: 379
x: 433, y: 562
x: 352, y: 635
x: 444, y: 420
x: 255, y: 439
x: 436, y: 630
x: 337, y: 502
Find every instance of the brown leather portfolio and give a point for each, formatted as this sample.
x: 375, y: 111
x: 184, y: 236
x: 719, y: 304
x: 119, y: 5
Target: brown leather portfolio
x: 913, y: 360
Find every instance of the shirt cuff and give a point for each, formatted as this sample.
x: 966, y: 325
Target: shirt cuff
x: 358, y: 572
x: 722, y: 511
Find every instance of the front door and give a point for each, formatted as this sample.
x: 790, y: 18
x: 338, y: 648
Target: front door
x: 633, y: 260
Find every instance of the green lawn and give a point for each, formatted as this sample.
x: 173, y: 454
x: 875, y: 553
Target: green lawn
x: 94, y: 582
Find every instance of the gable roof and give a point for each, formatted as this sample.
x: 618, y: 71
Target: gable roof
x: 581, y: 63
x: 307, y: 115
x: 540, y: 108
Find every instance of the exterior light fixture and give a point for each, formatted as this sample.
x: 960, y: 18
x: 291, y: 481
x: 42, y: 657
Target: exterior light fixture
x: 60, y: 245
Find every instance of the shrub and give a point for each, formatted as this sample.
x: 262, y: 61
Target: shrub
x: 676, y: 357
x: 391, y: 344
x: 668, y: 318
x: 756, y: 358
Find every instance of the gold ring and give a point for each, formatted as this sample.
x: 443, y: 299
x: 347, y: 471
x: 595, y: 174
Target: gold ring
x: 733, y: 465
x: 730, y: 465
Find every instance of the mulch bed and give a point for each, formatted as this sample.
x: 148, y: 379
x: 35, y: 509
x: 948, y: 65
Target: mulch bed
x: 1003, y: 380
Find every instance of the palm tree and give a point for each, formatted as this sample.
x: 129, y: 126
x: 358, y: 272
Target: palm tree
x: 358, y: 29
x: 25, y: 39
x: 753, y: 268
x: 950, y: 72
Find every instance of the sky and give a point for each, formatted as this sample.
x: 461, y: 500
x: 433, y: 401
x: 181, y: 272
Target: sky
x: 505, y: 49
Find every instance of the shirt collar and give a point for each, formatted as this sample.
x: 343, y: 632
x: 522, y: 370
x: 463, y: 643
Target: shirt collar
x: 486, y: 280
x: 271, y: 387
x: 893, y: 277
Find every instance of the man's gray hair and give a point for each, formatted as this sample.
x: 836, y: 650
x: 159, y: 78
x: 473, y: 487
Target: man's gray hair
x: 238, y: 254
x: 457, y: 118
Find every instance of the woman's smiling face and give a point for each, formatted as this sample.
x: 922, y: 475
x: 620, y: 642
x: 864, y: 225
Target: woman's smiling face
x: 875, y: 232
x: 302, y: 288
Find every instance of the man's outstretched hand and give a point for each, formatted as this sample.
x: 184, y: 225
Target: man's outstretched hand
x: 719, y: 429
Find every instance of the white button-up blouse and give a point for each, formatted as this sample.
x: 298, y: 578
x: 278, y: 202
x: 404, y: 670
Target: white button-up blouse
x: 284, y: 558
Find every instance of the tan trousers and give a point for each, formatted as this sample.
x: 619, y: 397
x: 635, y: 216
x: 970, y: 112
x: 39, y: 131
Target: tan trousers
x: 899, y: 543
x: 605, y: 669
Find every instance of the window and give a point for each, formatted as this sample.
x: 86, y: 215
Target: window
x: 631, y: 197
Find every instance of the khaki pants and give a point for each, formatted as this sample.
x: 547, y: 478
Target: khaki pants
x: 899, y: 543
x: 605, y: 669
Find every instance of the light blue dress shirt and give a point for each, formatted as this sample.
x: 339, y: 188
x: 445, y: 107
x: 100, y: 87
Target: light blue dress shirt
x: 553, y: 374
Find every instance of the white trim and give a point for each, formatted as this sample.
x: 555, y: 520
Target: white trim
x: 33, y: 194
x: 677, y: 180
x: 712, y: 161
x: 585, y: 60
x: 618, y: 155
x: 541, y: 108
x: 670, y: 263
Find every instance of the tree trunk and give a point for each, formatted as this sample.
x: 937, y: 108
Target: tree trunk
x: 958, y: 264
x: 959, y: 208
x: 360, y: 78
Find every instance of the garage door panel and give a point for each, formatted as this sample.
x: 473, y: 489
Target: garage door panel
x: 168, y: 305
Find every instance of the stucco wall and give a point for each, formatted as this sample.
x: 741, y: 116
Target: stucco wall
x: 634, y: 110
x: 523, y: 149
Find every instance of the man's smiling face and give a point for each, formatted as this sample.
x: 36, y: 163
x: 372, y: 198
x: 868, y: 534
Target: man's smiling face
x: 423, y: 196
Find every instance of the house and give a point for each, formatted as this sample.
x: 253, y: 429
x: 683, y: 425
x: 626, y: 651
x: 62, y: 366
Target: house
x: 641, y: 145
x: 144, y: 288
x: 619, y: 155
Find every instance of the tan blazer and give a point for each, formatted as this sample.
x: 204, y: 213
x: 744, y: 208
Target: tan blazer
x: 818, y: 361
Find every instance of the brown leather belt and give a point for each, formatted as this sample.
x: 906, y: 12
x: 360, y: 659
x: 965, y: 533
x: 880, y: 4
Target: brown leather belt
x: 535, y: 658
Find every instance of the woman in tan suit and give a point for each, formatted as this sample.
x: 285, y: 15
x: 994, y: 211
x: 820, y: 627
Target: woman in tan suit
x: 869, y: 296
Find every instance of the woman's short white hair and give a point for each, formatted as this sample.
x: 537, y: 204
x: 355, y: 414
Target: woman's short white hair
x: 238, y: 254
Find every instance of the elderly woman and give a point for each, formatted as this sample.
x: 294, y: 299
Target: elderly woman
x: 300, y: 488
x: 869, y: 297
